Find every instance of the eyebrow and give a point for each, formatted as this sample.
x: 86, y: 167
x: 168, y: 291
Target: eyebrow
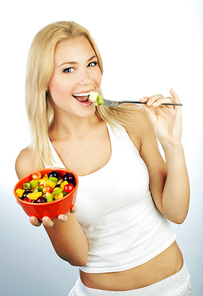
x: 73, y: 63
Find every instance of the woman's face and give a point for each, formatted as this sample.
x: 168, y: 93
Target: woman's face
x: 76, y: 73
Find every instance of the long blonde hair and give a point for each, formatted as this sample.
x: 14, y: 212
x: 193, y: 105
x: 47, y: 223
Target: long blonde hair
x: 40, y: 65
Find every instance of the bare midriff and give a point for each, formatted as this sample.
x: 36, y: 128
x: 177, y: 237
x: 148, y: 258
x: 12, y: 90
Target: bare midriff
x: 167, y: 263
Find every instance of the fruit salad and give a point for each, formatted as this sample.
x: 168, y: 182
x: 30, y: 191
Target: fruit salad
x: 46, y: 188
x: 96, y: 98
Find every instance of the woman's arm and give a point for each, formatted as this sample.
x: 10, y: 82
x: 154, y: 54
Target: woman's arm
x: 68, y: 239
x: 169, y: 183
x: 65, y: 233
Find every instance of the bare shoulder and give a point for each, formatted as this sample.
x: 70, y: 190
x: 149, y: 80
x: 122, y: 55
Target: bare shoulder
x: 26, y: 163
x: 137, y: 115
x: 146, y: 132
x: 139, y: 127
x: 143, y: 134
x: 140, y: 118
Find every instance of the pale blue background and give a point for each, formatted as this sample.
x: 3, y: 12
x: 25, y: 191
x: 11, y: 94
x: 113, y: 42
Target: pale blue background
x: 148, y: 47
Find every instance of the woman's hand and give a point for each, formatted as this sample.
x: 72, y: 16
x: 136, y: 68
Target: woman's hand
x: 165, y: 119
x: 169, y: 183
x: 47, y: 222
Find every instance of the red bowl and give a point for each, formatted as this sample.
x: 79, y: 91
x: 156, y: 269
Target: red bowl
x: 50, y: 209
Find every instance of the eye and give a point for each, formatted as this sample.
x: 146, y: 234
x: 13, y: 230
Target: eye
x: 68, y: 70
x: 92, y: 64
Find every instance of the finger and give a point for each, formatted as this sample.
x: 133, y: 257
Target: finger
x: 175, y: 96
x: 47, y: 222
x: 34, y: 221
x: 150, y: 114
x: 74, y: 209
x: 144, y: 99
x: 153, y: 99
x: 161, y: 101
x: 62, y: 218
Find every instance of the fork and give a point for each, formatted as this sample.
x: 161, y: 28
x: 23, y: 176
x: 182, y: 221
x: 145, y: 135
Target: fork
x: 117, y: 103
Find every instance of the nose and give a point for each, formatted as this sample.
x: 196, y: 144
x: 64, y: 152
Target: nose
x: 84, y: 77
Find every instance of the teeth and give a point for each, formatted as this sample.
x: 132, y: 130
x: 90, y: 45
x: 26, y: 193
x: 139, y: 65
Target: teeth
x: 81, y: 95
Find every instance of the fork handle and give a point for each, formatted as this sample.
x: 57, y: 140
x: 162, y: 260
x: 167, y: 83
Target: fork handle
x: 131, y: 102
x: 165, y: 104
x: 172, y: 104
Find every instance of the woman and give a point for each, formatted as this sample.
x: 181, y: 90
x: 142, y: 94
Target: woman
x: 119, y: 235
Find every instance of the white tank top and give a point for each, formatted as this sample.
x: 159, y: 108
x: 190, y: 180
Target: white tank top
x: 117, y: 213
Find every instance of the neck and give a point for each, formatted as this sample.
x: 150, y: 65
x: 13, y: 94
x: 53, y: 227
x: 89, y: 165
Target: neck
x: 66, y: 127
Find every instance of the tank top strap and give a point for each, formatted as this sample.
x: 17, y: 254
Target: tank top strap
x: 57, y: 160
x: 120, y: 139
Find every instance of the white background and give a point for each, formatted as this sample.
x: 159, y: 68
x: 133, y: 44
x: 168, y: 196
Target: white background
x: 148, y: 46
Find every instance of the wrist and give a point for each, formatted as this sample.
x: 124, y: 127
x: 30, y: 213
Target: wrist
x: 175, y: 145
x: 172, y: 149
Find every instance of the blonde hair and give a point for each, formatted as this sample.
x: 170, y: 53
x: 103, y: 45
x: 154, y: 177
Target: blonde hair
x: 40, y: 65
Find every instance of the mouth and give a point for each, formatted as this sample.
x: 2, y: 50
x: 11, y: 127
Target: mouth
x: 82, y: 97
